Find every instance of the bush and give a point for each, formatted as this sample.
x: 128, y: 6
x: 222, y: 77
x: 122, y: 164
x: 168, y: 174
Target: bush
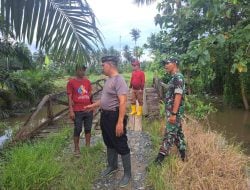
x: 31, y: 85
x: 21, y: 87
x: 5, y: 99
x: 197, y: 108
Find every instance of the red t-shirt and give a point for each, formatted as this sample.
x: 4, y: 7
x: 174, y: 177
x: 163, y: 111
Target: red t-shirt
x: 81, y: 91
x: 137, y: 80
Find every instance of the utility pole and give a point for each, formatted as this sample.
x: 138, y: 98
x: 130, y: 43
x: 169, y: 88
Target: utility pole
x: 120, y: 44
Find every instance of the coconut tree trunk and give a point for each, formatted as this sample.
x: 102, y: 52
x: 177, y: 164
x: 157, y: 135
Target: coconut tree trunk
x: 243, y: 94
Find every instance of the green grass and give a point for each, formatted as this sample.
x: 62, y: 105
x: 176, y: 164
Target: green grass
x: 80, y: 173
x: 47, y: 164
x: 61, y: 83
x: 153, y: 128
x: 156, y: 177
x: 3, y: 126
x: 94, y: 77
x: 148, y: 76
x: 30, y: 166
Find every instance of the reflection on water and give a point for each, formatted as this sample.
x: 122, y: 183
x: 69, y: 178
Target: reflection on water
x: 19, y: 121
x: 234, y: 123
x: 5, y: 137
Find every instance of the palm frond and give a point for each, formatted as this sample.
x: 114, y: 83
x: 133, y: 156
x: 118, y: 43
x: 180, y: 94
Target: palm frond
x: 143, y: 2
x: 66, y: 25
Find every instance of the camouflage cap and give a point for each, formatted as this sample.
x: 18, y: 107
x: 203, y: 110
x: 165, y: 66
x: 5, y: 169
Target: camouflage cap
x: 170, y: 60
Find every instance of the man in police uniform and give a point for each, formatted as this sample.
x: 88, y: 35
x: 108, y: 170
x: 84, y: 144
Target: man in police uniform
x: 113, y: 123
x: 174, y: 103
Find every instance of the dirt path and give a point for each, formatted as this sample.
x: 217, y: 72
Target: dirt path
x: 140, y: 145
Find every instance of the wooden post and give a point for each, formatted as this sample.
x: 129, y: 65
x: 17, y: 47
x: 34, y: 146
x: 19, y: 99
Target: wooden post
x: 145, y: 106
x: 131, y: 122
x: 135, y: 122
x: 138, y: 123
x: 50, y: 114
x: 160, y: 91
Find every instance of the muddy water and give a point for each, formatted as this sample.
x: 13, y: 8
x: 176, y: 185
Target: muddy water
x: 12, y: 122
x: 234, y: 124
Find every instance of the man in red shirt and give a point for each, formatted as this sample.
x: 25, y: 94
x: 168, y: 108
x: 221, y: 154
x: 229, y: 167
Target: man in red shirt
x: 79, y: 96
x: 137, y: 84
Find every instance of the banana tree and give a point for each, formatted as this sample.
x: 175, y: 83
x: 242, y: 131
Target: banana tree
x: 68, y: 26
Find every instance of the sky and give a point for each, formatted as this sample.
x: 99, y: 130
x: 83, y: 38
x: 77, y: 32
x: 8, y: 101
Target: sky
x: 116, y: 18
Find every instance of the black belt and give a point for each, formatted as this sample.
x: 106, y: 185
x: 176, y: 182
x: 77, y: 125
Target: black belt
x: 109, y: 111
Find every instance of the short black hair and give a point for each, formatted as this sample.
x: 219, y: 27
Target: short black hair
x: 111, y: 58
x: 83, y: 67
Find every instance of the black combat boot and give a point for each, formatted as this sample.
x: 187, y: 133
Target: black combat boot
x: 126, y: 162
x: 159, y: 159
x: 183, y: 155
x: 112, y: 158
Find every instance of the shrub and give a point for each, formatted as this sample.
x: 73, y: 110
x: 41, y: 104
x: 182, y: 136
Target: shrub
x: 30, y: 85
x: 197, y: 108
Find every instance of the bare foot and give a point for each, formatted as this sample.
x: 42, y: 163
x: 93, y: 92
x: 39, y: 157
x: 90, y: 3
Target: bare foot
x: 77, y: 153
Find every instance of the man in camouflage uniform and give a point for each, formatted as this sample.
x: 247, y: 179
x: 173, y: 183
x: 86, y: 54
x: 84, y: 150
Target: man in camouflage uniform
x: 174, y: 112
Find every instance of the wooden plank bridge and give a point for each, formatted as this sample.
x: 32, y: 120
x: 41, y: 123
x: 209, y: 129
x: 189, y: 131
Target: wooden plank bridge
x: 54, y: 107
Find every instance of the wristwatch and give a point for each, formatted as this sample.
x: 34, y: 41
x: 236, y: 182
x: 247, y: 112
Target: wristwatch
x: 173, y: 113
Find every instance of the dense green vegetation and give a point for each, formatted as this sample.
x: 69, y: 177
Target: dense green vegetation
x: 211, y: 38
x: 65, y: 33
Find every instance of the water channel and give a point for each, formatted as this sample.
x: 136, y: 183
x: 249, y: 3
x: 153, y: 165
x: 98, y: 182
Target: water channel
x: 233, y: 123
x: 5, y: 134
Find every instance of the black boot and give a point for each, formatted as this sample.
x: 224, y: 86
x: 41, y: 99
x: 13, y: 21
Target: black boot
x: 126, y: 161
x: 112, y: 158
x: 159, y: 159
x: 183, y: 155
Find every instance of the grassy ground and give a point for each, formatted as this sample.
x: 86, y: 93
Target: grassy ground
x: 47, y: 164
x: 61, y: 83
x: 212, y: 162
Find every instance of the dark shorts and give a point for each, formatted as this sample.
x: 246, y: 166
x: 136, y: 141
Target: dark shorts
x: 108, y: 127
x: 85, y: 119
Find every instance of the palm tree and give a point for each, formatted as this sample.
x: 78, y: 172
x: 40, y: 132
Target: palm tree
x: 148, y: 2
x: 135, y: 34
x: 143, y: 2
x: 68, y: 26
x: 127, y: 53
x: 138, y: 52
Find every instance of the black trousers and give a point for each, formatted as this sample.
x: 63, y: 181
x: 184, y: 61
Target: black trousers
x: 108, y: 126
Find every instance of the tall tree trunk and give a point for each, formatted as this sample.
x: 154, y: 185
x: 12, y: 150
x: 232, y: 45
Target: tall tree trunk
x: 243, y: 94
x: 188, y: 82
